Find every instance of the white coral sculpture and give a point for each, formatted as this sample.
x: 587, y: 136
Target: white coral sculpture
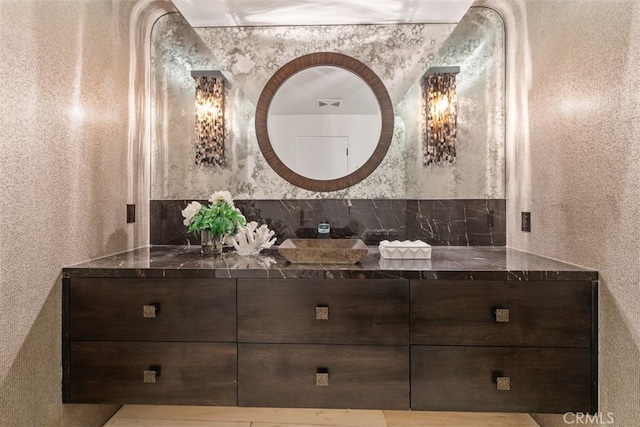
x: 251, y: 239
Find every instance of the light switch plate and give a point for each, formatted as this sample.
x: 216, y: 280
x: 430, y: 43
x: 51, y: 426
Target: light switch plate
x: 131, y: 214
x: 526, y: 221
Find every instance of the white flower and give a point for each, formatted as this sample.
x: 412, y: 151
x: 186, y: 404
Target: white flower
x: 221, y: 196
x: 190, y: 211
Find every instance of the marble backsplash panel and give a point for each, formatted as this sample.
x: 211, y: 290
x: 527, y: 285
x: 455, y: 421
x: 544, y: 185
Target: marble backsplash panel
x: 469, y: 222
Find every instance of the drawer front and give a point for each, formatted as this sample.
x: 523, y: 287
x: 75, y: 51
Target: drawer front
x: 323, y: 376
x: 501, y: 313
x: 501, y: 379
x: 153, y: 309
x: 123, y: 372
x: 323, y: 311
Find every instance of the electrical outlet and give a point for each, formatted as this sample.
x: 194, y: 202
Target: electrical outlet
x: 131, y: 214
x: 526, y: 221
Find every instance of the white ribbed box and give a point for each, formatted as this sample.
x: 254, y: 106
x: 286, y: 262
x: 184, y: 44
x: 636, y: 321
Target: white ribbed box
x: 407, y: 249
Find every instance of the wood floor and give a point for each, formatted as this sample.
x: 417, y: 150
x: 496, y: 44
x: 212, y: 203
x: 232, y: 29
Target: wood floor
x: 206, y: 416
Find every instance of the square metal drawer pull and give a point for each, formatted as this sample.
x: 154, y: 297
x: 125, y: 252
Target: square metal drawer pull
x: 322, y: 312
x: 503, y: 383
x: 149, y: 311
x: 150, y: 376
x: 502, y: 315
x: 322, y: 379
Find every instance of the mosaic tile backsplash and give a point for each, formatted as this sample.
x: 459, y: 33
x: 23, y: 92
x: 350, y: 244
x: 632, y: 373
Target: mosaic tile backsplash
x: 437, y: 222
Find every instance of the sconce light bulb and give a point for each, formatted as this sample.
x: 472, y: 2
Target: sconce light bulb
x: 207, y: 109
x: 442, y: 105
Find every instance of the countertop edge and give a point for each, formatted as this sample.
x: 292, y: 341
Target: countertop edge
x: 447, y: 263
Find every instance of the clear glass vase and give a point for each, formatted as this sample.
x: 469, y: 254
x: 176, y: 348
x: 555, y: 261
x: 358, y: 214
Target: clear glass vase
x: 211, y: 244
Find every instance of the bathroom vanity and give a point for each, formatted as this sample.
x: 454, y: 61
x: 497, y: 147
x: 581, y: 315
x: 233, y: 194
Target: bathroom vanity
x: 472, y: 329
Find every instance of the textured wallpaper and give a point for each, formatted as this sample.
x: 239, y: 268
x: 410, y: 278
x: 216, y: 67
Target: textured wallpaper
x: 573, y: 161
x: 399, y: 54
x: 71, y: 158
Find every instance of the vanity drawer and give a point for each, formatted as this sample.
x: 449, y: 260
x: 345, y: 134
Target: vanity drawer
x: 501, y: 313
x: 501, y: 379
x: 122, y: 372
x: 153, y: 309
x: 323, y: 311
x: 323, y: 376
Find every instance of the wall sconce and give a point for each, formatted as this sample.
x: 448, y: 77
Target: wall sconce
x: 440, y: 109
x: 210, y: 128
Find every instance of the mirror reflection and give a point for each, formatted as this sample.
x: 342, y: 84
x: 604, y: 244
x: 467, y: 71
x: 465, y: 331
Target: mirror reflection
x: 250, y: 58
x: 324, y: 122
x: 310, y: 148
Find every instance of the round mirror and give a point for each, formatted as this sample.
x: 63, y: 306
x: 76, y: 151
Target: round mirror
x: 324, y: 121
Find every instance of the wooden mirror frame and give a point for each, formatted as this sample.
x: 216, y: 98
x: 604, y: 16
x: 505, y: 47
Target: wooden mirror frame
x: 313, y: 60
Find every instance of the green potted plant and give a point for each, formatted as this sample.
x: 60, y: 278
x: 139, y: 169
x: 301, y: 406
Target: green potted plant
x: 215, y: 221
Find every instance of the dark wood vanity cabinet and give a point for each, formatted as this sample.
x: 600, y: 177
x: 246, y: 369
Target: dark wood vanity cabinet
x: 512, y: 346
x: 445, y: 345
x: 144, y: 372
x: 500, y: 379
x: 149, y: 341
x: 321, y: 311
x: 323, y: 343
x: 323, y: 376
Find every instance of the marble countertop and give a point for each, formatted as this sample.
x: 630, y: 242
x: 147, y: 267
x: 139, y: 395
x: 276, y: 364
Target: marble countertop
x: 447, y: 262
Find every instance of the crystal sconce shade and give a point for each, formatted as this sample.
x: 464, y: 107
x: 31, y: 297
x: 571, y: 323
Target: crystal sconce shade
x: 210, y: 128
x: 440, y: 110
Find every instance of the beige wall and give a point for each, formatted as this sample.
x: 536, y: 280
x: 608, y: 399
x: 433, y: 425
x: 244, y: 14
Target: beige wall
x: 573, y: 160
x: 71, y: 158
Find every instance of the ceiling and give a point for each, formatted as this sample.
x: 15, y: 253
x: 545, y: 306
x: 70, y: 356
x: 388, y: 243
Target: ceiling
x: 316, y: 90
x: 231, y: 13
